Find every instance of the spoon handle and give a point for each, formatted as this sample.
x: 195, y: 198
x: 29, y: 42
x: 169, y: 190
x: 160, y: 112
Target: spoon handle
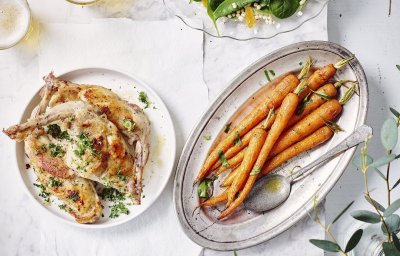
x: 358, y: 136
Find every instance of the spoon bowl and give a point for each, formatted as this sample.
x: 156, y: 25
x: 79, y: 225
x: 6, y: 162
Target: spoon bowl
x: 269, y: 192
x: 272, y: 190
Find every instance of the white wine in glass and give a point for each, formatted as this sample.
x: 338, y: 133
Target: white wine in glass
x: 15, y: 19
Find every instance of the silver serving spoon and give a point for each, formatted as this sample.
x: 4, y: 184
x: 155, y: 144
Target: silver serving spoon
x: 272, y: 190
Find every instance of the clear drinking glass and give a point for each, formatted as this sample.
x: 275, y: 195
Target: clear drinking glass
x: 15, y: 20
x: 82, y: 2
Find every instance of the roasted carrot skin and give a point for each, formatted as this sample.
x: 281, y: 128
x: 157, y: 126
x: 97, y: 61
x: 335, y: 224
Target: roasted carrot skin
x: 326, y: 112
x: 314, y: 102
x: 284, y: 114
x: 311, y: 122
x: 229, y: 178
x: 318, y: 137
x: 237, y: 148
x: 286, y: 111
x: 232, y: 162
x: 250, y: 157
x: 273, y: 101
x: 318, y: 78
x: 217, y: 199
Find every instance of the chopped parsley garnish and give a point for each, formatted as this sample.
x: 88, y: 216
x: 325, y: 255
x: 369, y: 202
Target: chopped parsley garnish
x: 73, y: 195
x: 111, y: 194
x: 54, y: 182
x: 118, y: 209
x: 267, y: 72
x: 121, y: 176
x: 222, y: 158
x: 64, y: 135
x: 207, y: 137
x: 71, y: 118
x: 144, y: 99
x: 307, y: 100
x: 55, y: 131
x: 80, y: 151
x: 64, y: 207
x: 43, y: 192
x: 56, y: 150
x: 43, y: 148
x: 237, y: 139
x: 272, y: 72
x: 128, y: 124
x: 205, y: 188
x: 85, y: 143
x: 227, y: 127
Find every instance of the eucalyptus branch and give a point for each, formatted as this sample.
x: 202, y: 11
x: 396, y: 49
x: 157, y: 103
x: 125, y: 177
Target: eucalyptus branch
x: 367, y: 191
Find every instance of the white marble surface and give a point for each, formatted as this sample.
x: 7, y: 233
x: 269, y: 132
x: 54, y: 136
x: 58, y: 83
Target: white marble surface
x: 362, y: 26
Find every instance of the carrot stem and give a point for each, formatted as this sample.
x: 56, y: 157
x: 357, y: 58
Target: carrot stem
x: 306, y: 68
x: 343, y: 62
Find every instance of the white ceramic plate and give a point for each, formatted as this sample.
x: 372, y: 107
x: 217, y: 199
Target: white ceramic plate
x: 245, y: 228
x: 163, y: 145
x: 238, y: 30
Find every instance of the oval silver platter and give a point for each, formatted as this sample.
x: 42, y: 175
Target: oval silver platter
x: 244, y: 228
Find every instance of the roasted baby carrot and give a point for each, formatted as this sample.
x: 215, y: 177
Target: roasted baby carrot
x: 232, y: 162
x: 318, y: 118
x: 229, y: 178
x: 318, y: 137
x: 322, y: 75
x: 284, y: 114
x: 250, y: 156
x: 237, y: 148
x: 245, y: 136
x: 314, y: 101
x: 216, y: 199
x: 307, y: 125
x: 273, y: 101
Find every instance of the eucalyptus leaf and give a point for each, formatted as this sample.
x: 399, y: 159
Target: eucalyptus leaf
x: 389, y: 134
x: 396, y: 241
x: 389, y: 249
x: 374, y: 203
x: 396, y: 184
x: 357, y: 161
x: 325, y: 245
x: 383, y: 161
x: 353, y: 241
x: 395, y: 112
x: 392, y: 223
x: 379, y: 173
x: 392, y: 208
x: 366, y: 216
x: 342, y: 212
